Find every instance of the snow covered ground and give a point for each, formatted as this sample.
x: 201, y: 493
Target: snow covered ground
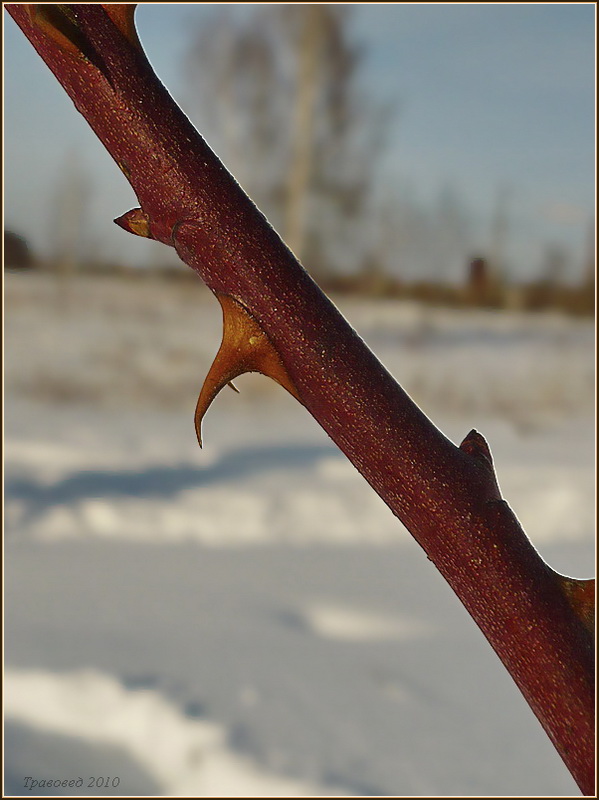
x: 250, y: 619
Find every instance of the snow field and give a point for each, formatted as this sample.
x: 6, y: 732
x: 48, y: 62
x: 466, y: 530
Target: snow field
x: 250, y: 619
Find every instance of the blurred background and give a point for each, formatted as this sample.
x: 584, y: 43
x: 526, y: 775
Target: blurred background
x: 391, y: 146
x: 250, y: 619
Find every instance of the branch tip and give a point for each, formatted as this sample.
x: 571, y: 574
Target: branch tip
x: 59, y: 23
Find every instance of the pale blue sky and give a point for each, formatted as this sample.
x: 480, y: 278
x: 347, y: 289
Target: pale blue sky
x: 491, y: 97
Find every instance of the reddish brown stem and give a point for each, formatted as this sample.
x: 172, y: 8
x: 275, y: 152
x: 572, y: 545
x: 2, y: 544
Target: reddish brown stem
x: 447, y: 496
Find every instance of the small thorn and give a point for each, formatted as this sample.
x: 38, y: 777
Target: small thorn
x: 581, y: 596
x: 231, y: 385
x: 134, y: 221
x: 244, y: 348
x: 476, y: 445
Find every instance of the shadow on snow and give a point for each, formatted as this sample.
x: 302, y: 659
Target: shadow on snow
x: 162, y: 481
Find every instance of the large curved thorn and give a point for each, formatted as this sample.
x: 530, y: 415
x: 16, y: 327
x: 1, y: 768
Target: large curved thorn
x: 244, y: 348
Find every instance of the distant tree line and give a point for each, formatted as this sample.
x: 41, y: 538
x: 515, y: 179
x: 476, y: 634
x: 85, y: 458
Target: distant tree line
x: 276, y: 91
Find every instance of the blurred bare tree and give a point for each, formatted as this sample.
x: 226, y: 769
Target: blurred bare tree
x: 69, y: 212
x: 68, y: 225
x: 276, y: 91
x: 500, y: 233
